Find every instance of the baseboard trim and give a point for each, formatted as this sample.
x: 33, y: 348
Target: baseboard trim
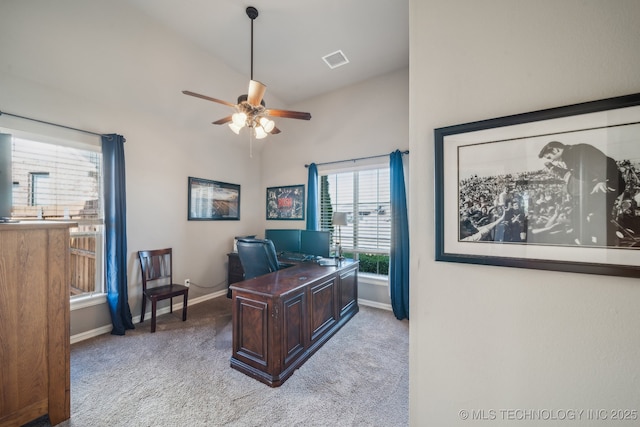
x: 375, y: 304
x: 136, y: 319
x: 91, y: 333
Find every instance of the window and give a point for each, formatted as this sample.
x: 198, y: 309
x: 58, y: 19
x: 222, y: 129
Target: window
x: 58, y: 179
x: 38, y: 190
x: 366, y: 198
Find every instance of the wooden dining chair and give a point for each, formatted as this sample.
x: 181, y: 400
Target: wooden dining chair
x: 157, y: 282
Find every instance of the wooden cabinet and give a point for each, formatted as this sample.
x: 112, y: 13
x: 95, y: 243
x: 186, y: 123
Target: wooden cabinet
x: 34, y: 322
x: 280, y: 319
x: 235, y: 272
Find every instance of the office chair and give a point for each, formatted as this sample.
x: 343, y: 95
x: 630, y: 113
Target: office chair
x: 157, y: 282
x: 257, y: 257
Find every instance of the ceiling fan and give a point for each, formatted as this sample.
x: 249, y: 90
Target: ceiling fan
x: 251, y: 110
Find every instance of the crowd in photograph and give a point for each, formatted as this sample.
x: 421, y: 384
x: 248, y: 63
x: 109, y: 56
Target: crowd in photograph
x: 539, y: 208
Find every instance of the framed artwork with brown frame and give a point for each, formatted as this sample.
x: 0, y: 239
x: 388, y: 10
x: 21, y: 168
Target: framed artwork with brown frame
x: 213, y: 200
x: 555, y: 189
x: 285, y: 203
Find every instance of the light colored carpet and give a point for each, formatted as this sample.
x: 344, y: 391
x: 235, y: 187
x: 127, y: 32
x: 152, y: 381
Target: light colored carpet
x: 180, y: 376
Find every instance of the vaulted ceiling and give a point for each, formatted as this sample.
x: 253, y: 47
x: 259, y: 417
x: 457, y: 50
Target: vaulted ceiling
x: 292, y: 36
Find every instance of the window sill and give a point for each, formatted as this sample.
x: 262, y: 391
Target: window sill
x: 373, y: 279
x: 87, y: 301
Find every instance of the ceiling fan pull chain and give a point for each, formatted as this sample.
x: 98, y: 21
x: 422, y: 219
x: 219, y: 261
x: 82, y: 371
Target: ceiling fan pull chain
x: 250, y: 145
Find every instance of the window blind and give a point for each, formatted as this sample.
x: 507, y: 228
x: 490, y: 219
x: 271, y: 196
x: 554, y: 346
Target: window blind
x: 55, y: 181
x: 366, y: 198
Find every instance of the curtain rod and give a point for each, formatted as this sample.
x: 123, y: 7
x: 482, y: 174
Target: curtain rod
x: 53, y: 124
x: 356, y: 159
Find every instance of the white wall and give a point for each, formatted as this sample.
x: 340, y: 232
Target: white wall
x: 493, y: 338
x: 104, y: 67
x: 365, y: 119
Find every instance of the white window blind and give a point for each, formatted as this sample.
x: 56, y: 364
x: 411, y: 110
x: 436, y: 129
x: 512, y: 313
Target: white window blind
x: 365, y: 196
x: 55, y: 181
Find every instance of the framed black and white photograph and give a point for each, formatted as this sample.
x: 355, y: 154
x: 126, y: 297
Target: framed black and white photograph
x: 286, y: 203
x: 213, y: 200
x: 554, y: 189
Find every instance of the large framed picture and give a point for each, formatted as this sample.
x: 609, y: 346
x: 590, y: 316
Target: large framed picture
x: 555, y: 189
x: 213, y: 200
x: 286, y: 203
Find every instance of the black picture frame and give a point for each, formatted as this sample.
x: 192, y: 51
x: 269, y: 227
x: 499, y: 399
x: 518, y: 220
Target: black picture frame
x: 213, y: 200
x: 285, y: 203
x: 474, y: 160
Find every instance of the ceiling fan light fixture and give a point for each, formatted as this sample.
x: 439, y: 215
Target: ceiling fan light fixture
x: 239, y: 119
x: 259, y: 132
x: 251, y: 110
x: 267, y: 124
x: 234, y: 128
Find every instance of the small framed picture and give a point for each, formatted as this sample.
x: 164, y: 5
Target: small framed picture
x: 285, y: 203
x: 213, y: 200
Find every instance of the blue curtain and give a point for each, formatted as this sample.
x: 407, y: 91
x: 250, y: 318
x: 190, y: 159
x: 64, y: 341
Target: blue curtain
x: 115, y: 225
x: 313, y: 204
x: 399, y: 258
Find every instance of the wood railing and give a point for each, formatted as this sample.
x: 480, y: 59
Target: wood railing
x: 83, y: 263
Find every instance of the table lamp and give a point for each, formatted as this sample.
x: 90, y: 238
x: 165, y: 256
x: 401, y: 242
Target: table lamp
x: 339, y: 219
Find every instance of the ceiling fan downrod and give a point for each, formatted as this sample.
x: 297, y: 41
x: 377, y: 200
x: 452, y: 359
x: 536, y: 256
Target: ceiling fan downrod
x: 252, y: 13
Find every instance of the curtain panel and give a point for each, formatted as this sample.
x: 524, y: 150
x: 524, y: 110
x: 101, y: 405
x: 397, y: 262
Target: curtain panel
x: 399, y: 256
x: 115, y: 223
x: 313, y: 199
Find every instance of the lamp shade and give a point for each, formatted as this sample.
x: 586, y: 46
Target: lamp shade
x: 339, y: 218
x: 239, y: 119
x: 259, y: 132
x: 234, y: 128
x: 267, y: 124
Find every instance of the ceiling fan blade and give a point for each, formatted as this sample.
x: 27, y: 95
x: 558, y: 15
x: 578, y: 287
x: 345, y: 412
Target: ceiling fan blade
x: 223, y: 120
x: 256, y: 92
x: 275, y: 131
x: 288, y: 114
x: 208, y: 98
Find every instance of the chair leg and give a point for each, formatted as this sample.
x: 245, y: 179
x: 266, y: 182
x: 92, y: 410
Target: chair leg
x: 144, y: 307
x: 184, y: 308
x: 153, y: 315
x: 171, y: 305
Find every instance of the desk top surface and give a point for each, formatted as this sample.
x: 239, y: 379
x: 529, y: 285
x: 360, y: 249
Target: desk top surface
x: 291, y: 278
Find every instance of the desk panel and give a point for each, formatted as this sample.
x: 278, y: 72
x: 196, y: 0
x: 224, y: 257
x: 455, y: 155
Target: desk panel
x: 252, y: 335
x: 292, y: 312
x: 323, y: 307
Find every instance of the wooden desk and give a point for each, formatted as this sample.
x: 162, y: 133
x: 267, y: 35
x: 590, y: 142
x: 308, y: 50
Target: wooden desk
x: 34, y: 322
x: 280, y: 319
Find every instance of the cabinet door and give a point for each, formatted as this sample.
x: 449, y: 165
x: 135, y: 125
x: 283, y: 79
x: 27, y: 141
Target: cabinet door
x: 251, y: 332
x: 294, y: 337
x: 24, y: 374
x: 348, y: 291
x: 323, y: 309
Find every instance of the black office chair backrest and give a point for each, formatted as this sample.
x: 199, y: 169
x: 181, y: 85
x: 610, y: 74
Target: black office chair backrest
x: 257, y: 256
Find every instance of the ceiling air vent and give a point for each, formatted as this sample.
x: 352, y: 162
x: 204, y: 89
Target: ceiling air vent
x: 335, y: 59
